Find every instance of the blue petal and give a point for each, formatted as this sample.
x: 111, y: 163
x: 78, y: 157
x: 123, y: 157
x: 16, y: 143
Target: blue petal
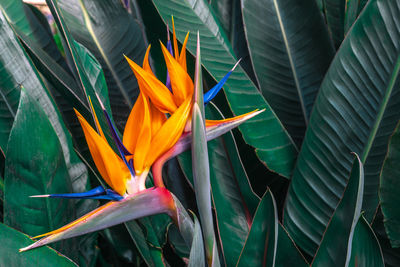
x: 214, y: 91
x: 168, y: 80
x: 121, y: 148
x: 95, y: 193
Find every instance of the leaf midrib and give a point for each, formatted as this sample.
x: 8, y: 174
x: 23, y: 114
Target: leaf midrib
x: 289, y: 53
x: 382, y: 109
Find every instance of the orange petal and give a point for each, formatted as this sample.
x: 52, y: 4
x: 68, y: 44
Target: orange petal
x: 146, y: 65
x: 97, y: 121
x: 133, y: 124
x: 211, y: 123
x: 157, y: 119
x: 169, y: 133
x: 159, y: 94
x: 176, y: 50
x: 181, y: 83
x: 144, y: 138
x: 111, y: 167
x: 182, y: 57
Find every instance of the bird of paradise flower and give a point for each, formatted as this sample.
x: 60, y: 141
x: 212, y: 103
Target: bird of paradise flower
x: 149, y: 140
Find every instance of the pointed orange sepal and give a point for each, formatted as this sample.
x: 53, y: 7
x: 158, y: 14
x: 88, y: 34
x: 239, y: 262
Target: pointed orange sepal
x: 146, y: 64
x: 111, y: 167
x: 182, y: 56
x: 212, y: 123
x: 176, y: 50
x: 181, y: 83
x: 144, y: 137
x: 159, y: 94
x: 169, y: 133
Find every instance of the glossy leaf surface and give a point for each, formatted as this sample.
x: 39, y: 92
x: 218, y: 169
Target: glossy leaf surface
x: 340, y: 229
x: 388, y: 190
x: 291, y: 50
x: 197, y: 256
x: 261, y: 243
x: 41, y: 170
x: 355, y: 111
x: 12, y: 240
x: 271, y: 141
x: 109, y: 32
x: 335, y: 13
x: 287, y: 254
x: 365, y: 249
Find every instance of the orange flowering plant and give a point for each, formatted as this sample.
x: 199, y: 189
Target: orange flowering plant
x: 158, y: 128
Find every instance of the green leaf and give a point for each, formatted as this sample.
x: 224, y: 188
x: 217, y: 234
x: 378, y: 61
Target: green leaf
x: 351, y: 13
x: 12, y: 240
x: 1, y: 188
x: 61, y: 80
x: 289, y: 74
x: 83, y: 61
x: 144, y: 239
x: 352, y: 10
x: 223, y: 11
x: 340, y: 229
x: 287, y: 254
x: 119, y: 238
x: 261, y: 244
x: 334, y: 13
x: 109, y: 32
x: 18, y: 71
x: 41, y: 170
x: 21, y: 72
x: 364, y: 247
x: 25, y: 19
x: 389, y: 183
x: 390, y: 255
x: 356, y: 111
x: 271, y: 141
x: 196, y: 257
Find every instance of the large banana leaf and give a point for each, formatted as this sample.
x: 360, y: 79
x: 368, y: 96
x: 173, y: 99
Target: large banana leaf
x: 340, y: 229
x: 271, y: 141
x: 291, y: 51
x: 18, y: 71
x: 356, y: 110
x: 87, y: 74
x: 12, y: 240
x: 388, y: 190
x: 35, y: 165
x: 109, y: 32
x: 22, y: 17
